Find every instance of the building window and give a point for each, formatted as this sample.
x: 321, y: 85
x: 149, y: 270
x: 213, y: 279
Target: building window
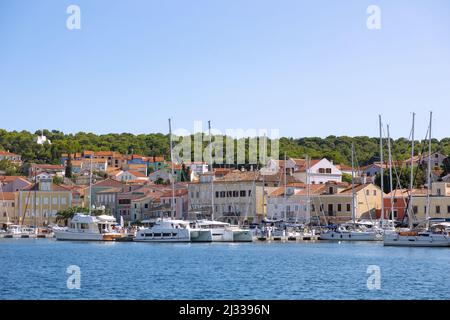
x: 339, y: 209
x: 229, y: 194
x: 222, y: 194
x: 328, y: 170
x: 438, y: 209
x: 146, y: 206
x: 217, y: 194
x: 249, y: 193
x: 63, y: 200
x: 349, y: 207
x: 439, y: 192
x: 415, y: 209
x: 374, y: 192
x: 448, y: 209
x: 55, y: 200
x: 242, y: 193
x: 367, y: 192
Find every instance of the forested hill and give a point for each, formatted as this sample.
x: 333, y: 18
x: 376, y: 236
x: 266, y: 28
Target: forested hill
x: 334, y: 148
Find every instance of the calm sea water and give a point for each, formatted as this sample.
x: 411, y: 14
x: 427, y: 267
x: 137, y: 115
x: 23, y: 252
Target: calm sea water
x: 36, y: 269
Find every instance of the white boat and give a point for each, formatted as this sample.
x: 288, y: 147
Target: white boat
x: 437, y: 235
x: 89, y: 228
x: 16, y: 230
x: 241, y: 235
x: 165, y: 230
x: 346, y: 233
x: 220, y: 231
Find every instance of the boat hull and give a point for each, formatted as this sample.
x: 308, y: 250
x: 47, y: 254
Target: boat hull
x: 163, y: 235
x: 85, y: 236
x: 350, y: 236
x: 416, y: 241
x: 242, y: 236
x: 201, y: 236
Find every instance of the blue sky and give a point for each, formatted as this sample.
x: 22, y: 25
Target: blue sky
x: 308, y: 68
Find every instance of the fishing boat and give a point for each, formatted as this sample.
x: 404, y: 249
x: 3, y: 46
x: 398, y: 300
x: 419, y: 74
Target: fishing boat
x: 89, y: 228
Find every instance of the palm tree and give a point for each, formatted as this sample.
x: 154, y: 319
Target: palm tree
x: 66, y: 214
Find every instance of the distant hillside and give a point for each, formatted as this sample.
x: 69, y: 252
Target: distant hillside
x: 334, y: 148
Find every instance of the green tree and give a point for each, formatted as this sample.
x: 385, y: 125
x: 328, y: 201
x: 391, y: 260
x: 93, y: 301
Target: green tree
x: 347, y: 177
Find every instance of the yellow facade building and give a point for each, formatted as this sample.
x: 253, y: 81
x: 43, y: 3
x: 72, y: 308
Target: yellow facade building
x: 40, y: 202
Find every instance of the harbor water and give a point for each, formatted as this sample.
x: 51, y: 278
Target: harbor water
x: 37, y: 269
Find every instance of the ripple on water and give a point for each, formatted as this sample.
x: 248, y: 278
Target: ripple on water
x: 36, y: 269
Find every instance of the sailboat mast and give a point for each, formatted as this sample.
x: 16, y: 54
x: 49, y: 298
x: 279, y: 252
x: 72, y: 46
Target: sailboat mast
x: 285, y: 169
x: 90, y: 186
x: 353, y: 184
x: 212, y: 170
x: 381, y: 170
x: 35, y: 193
x: 429, y: 169
x: 390, y: 173
x: 411, y: 181
x: 173, y: 171
x: 308, y: 196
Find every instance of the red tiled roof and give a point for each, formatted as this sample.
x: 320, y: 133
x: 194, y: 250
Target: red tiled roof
x: 156, y: 159
x: 7, y: 153
x: 55, y: 187
x: 137, y: 174
x: 109, y: 183
x: 7, y: 196
x: 303, y: 164
x: 178, y: 193
x: 49, y: 166
x: 8, y: 179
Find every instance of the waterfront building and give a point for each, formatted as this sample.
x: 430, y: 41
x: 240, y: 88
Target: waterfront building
x: 238, y: 196
x: 319, y: 171
x: 439, y: 202
x: 47, y: 198
x: 329, y: 202
x: 8, y: 208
